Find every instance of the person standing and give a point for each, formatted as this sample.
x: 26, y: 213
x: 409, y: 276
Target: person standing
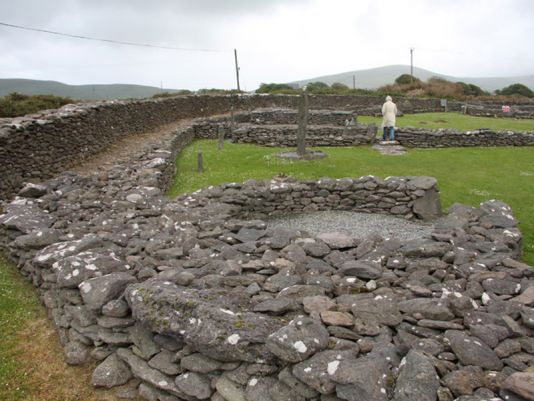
x: 389, y: 112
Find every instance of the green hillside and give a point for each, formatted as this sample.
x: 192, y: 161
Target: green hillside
x: 376, y: 77
x: 84, y: 92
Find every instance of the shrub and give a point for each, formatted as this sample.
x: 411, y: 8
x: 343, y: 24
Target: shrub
x: 274, y: 88
x: 16, y: 104
x: 516, y: 89
x: 406, y: 79
x: 171, y: 94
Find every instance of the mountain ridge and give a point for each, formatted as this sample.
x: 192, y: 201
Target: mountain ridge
x: 78, y: 92
x: 373, y: 78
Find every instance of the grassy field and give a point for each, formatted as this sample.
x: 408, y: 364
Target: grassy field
x: 31, y: 358
x: 457, y: 121
x: 465, y: 175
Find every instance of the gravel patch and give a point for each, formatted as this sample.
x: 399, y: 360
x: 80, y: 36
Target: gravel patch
x: 358, y: 225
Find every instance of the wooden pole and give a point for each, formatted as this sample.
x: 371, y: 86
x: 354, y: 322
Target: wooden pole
x: 303, y: 122
x: 237, y: 70
x: 200, y: 163
x: 220, y: 144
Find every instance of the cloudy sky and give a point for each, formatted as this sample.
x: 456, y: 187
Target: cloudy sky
x: 276, y: 40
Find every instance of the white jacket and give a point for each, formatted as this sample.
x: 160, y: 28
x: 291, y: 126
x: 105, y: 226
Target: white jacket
x: 389, y: 112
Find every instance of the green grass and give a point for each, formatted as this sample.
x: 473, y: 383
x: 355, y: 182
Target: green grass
x: 18, y: 305
x: 465, y: 175
x: 457, y: 121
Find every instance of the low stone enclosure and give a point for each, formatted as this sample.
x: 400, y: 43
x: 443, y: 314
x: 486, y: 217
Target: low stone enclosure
x: 36, y: 147
x: 197, y: 298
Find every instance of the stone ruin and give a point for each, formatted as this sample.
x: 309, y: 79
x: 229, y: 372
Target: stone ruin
x: 198, y: 299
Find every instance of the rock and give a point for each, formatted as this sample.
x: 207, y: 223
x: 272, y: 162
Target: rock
x: 53, y: 253
x: 115, y: 308
x: 229, y: 390
x: 276, y: 306
x: 98, y: 291
x: 26, y: 217
x: 164, y: 361
x: 194, y: 384
x: 317, y: 371
x: 428, y: 207
x: 38, y: 239
x: 526, y: 297
x: 417, y: 379
x: 203, y: 318
x: 337, y: 240
x: 527, y: 316
x: 331, y: 318
x: 73, y: 270
x: 76, y: 353
x: 464, y: 381
x: 297, y: 341
x: 363, y: 270
x: 360, y: 379
x: 141, y: 370
x: 377, y: 309
x: 111, y: 373
x: 200, y: 363
x: 470, y: 351
x: 144, y: 341
x: 430, y: 309
x: 521, y: 383
x: 33, y: 190
x: 318, y: 304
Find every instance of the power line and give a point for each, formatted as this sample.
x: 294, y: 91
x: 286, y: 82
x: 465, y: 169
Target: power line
x: 113, y: 41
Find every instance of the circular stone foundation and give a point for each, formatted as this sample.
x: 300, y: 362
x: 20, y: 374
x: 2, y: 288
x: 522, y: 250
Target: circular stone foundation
x: 357, y: 225
x: 309, y: 155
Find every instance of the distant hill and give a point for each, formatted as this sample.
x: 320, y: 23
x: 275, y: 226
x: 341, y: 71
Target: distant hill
x: 84, y: 92
x: 376, y: 77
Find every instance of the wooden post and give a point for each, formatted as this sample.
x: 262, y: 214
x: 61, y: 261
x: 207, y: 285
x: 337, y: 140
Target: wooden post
x: 303, y: 122
x: 200, y: 162
x: 220, y: 144
x: 232, y: 120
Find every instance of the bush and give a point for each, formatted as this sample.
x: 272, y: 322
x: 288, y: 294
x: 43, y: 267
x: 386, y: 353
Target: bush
x: 274, y: 88
x: 16, y: 104
x: 406, y: 79
x: 171, y: 94
x: 516, y: 89
x: 472, y: 90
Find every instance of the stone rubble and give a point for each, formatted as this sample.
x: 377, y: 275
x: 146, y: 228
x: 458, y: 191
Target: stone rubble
x: 197, y: 299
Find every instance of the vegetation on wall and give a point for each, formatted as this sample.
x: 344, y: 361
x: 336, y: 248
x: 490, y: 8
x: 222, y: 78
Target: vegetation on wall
x: 516, y: 89
x: 16, y: 104
x: 405, y: 85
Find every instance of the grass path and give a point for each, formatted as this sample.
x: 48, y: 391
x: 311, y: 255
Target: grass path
x: 31, y: 357
x: 465, y: 175
x: 457, y: 121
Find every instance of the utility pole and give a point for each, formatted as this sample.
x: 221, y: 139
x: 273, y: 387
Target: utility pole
x: 353, y: 81
x: 411, y: 63
x: 237, y: 70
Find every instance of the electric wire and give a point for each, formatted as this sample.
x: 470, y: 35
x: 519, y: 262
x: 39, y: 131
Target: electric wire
x: 120, y: 42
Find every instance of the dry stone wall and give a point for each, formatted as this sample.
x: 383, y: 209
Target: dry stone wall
x: 318, y: 135
x: 36, y: 147
x: 442, y: 138
x: 196, y: 301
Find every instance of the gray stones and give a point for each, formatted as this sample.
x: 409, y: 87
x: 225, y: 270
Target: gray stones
x: 427, y: 308
x: 417, y: 379
x: 470, y: 351
x: 521, y: 384
x: 205, y: 300
x: 194, y: 385
x: 111, y: 373
x: 363, y: 270
x: 298, y: 340
x: 96, y: 292
x: 337, y: 240
x: 143, y: 371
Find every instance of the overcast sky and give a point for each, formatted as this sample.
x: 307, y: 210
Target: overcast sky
x: 276, y: 40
